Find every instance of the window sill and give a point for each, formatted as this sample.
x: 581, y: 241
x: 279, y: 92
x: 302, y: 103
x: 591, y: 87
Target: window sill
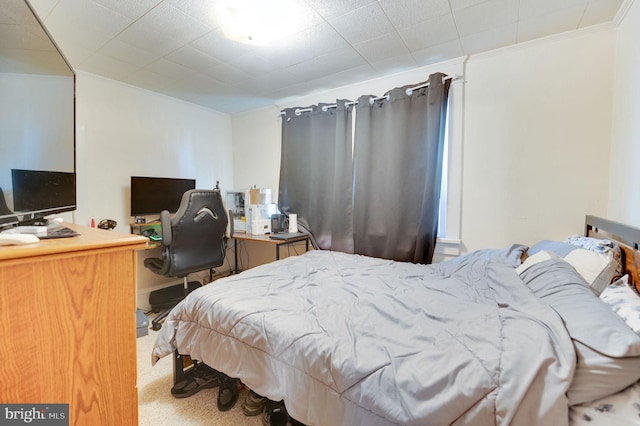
x: 449, y: 247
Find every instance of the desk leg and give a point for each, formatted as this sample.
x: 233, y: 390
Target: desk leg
x: 277, y: 251
x: 235, y: 252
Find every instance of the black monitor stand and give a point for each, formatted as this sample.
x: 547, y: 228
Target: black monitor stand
x: 33, y: 220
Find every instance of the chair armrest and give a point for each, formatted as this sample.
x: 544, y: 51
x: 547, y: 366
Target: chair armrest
x: 165, y: 220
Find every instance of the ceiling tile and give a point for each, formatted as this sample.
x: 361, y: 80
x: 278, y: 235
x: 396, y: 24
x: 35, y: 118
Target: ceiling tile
x: 151, y: 81
x: 226, y: 74
x: 382, y: 48
x: 85, y: 24
x: 206, y: 11
x: 43, y: 7
x: 492, y: 39
x: 362, y: 24
x: 195, y: 83
x: 313, y: 42
x: 551, y: 23
x: 163, y: 30
x: 14, y: 13
x: 292, y: 92
x: 244, y: 104
x: 133, y: 9
x: 409, y: 12
x: 535, y: 8
x: 342, y: 78
x: 127, y: 53
x: 268, y: 83
x: 599, y: 11
x: 330, y: 63
x: 88, y: 16
x: 332, y: 8
x: 429, y: 33
x: 75, y: 53
x: 438, y: 53
x: 217, y: 45
x: 117, y: 70
x: 193, y: 58
x: 169, y: 69
x: 395, y: 64
x: 485, y: 16
x: 29, y: 37
x: 461, y: 4
x: 254, y: 65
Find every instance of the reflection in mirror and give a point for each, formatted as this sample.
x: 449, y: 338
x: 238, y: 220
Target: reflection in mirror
x: 37, y: 104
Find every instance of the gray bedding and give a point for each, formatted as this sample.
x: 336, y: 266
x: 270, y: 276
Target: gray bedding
x: 352, y: 340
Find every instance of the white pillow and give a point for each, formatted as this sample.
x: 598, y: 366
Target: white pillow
x: 624, y: 301
x: 597, y: 269
x: 607, y: 350
x: 540, y: 256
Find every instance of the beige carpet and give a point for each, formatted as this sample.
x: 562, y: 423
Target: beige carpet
x: 156, y: 406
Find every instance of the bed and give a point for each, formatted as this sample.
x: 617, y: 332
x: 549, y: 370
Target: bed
x: 518, y: 335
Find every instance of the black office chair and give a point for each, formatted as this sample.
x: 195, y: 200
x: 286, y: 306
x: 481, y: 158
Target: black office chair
x: 193, y: 240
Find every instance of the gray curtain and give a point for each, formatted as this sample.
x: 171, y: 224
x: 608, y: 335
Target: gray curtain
x: 316, y: 173
x: 398, y: 152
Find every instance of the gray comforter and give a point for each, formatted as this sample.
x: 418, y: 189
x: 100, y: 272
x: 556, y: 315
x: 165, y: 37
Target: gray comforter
x: 352, y: 340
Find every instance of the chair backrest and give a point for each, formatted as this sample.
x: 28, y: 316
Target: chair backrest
x: 194, y: 239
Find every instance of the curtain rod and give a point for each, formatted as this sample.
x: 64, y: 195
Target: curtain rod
x: 372, y: 100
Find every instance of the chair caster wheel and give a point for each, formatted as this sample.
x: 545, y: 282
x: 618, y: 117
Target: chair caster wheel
x: 156, y: 327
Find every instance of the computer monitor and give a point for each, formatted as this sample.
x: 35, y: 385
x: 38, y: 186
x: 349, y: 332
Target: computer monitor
x: 151, y: 195
x: 39, y: 193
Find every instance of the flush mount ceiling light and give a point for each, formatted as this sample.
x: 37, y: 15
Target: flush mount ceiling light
x: 260, y: 22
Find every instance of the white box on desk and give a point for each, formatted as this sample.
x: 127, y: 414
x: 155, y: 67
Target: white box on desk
x: 255, y: 212
x: 261, y: 227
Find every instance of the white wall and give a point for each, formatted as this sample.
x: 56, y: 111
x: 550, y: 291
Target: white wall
x: 123, y: 131
x: 537, y: 120
x: 624, y: 186
x: 537, y: 138
x: 256, y: 150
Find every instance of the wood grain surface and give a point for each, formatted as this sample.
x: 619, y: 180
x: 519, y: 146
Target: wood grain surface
x: 67, y: 321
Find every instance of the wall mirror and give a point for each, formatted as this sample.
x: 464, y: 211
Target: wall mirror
x: 37, y: 102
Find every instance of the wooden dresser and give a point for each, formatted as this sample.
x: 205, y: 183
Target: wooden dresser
x: 67, y: 325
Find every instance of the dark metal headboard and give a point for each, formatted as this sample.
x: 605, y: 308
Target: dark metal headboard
x: 628, y: 237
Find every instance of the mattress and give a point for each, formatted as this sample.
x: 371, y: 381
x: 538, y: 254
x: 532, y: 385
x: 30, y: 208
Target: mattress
x: 348, y: 339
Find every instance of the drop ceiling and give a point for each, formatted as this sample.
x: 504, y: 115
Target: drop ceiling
x: 180, y: 48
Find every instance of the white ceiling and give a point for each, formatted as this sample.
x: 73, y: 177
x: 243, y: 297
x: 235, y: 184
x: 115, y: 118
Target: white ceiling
x: 177, y: 47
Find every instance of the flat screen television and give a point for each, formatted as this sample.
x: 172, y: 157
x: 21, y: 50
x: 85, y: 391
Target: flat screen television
x: 39, y: 193
x: 151, y: 195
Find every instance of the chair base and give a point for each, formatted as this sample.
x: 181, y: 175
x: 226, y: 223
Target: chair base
x: 168, y: 297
